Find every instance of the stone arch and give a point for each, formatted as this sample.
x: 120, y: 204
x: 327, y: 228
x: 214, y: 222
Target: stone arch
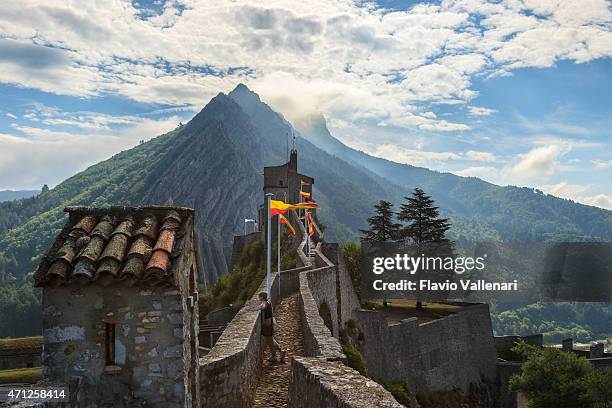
x: 326, y: 315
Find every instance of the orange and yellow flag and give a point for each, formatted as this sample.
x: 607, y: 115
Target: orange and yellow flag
x: 285, y: 221
x: 305, y: 194
x: 279, y: 207
x: 310, y: 227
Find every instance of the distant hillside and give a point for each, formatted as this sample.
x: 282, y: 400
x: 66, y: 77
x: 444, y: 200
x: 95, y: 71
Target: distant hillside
x: 214, y: 164
x: 478, y: 209
x: 10, y: 195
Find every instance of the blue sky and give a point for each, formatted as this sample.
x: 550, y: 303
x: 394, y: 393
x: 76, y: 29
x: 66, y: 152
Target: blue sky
x: 515, y: 92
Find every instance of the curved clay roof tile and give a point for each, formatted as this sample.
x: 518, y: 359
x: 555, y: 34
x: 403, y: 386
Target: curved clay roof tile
x: 148, y: 227
x: 85, y: 268
x: 94, y: 248
x: 125, y: 227
x: 173, y: 215
x: 158, y: 263
x: 68, y: 251
x: 85, y: 224
x: 141, y: 247
x: 165, y: 241
x: 58, y: 268
x: 170, y: 224
x: 108, y: 266
x: 116, y: 248
x: 104, y: 228
x: 134, y: 266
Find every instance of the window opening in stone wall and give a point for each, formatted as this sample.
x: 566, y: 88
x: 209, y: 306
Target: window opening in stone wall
x: 110, y: 343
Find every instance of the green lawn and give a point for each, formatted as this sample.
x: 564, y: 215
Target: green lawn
x: 21, y: 375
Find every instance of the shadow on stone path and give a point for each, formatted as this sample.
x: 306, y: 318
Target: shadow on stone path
x: 274, y: 383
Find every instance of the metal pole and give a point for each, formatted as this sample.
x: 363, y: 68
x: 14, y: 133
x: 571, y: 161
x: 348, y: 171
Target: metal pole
x: 307, y: 232
x: 278, y: 245
x: 269, y: 248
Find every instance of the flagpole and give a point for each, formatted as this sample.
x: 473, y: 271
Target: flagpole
x: 307, y: 232
x: 269, y: 248
x: 278, y: 244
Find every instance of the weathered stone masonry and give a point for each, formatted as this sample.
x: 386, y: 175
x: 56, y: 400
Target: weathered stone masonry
x: 120, y: 316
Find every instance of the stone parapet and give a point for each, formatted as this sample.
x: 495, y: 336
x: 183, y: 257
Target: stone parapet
x: 318, y: 383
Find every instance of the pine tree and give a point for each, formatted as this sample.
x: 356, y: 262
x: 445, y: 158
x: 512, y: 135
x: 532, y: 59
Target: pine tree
x: 425, y: 227
x: 382, y: 227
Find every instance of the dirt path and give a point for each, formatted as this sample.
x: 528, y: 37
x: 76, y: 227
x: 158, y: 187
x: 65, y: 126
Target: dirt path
x: 274, y: 383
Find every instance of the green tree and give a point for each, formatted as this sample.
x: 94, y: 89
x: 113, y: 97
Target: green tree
x: 552, y: 378
x: 424, y: 225
x: 382, y: 227
x: 423, y: 218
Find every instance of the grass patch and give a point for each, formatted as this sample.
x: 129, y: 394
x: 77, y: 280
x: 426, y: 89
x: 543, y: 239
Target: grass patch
x: 241, y: 283
x: 20, y: 344
x: 354, y: 358
x: 399, y: 392
x: 21, y: 375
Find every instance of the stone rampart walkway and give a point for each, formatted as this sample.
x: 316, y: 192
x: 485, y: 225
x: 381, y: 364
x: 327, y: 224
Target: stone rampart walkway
x: 273, y: 386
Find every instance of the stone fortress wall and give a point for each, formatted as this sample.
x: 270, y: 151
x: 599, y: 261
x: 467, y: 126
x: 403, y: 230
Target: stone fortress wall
x: 229, y: 373
x: 451, y: 352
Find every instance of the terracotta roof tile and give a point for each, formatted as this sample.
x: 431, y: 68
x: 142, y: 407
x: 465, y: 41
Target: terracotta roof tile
x: 116, y: 248
x: 148, y: 227
x: 86, y: 224
x: 158, y: 265
x: 134, y: 267
x: 165, y: 240
x: 94, y: 248
x: 118, y: 244
x: 104, y: 228
x: 141, y: 247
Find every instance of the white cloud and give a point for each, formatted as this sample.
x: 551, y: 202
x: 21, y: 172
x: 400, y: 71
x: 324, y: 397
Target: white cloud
x: 576, y: 192
x: 488, y: 173
x: 538, y: 163
x: 479, y: 111
x: 10, y: 115
x: 599, y: 200
x: 421, y: 157
x: 348, y: 60
x: 564, y: 189
x: 62, y: 154
x: 602, y: 164
x: 481, y: 156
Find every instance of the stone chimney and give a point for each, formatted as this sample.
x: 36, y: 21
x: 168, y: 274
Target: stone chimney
x: 568, y: 345
x: 596, y: 350
x: 293, y: 161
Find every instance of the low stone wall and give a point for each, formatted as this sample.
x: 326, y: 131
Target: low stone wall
x: 318, y: 383
x: 318, y: 339
x: 444, y: 354
x: 229, y: 373
x: 504, y: 344
x: 348, y: 302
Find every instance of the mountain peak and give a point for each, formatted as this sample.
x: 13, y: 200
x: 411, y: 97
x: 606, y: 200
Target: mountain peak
x: 243, y: 93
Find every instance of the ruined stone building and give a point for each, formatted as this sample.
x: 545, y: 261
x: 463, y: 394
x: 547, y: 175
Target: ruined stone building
x: 120, y: 316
